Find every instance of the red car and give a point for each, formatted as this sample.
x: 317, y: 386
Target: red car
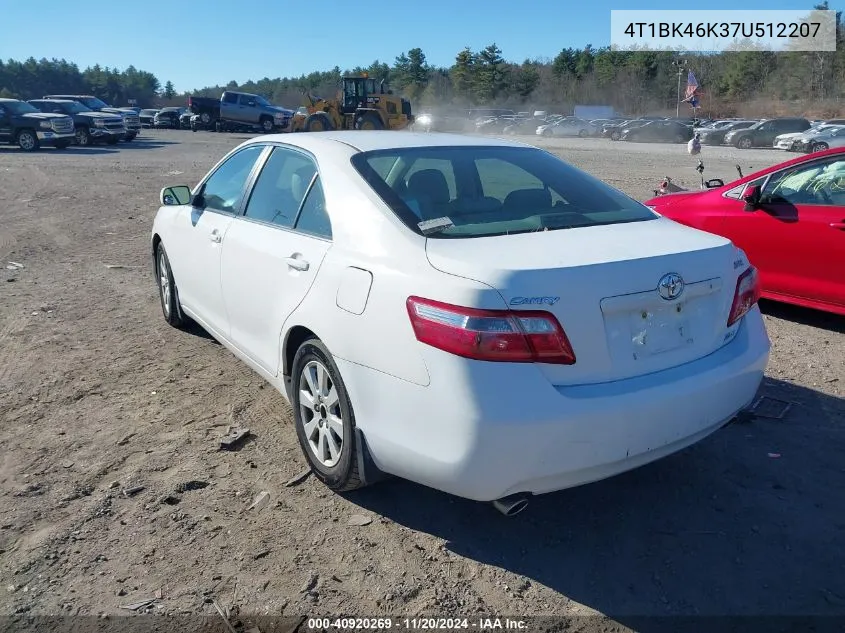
x: 790, y: 221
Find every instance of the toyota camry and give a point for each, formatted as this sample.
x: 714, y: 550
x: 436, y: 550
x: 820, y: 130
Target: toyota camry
x: 472, y: 314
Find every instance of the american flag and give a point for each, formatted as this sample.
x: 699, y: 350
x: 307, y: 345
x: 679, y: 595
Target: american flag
x: 692, y: 86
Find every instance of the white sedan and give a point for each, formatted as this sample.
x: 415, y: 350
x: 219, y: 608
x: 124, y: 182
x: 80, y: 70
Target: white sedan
x: 472, y: 314
x: 568, y: 127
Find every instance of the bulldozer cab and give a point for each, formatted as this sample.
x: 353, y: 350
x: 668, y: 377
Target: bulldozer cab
x: 358, y: 93
x: 361, y: 104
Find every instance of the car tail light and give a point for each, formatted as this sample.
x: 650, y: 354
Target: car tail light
x: 747, y: 294
x: 491, y: 335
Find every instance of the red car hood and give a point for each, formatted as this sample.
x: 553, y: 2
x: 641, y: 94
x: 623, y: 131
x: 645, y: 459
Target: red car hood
x: 672, y: 198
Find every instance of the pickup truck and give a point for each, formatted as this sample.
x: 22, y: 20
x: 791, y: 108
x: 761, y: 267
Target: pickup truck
x: 91, y: 127
x: 23, y: 124
x: 240, y: 108
x: 131, y: 119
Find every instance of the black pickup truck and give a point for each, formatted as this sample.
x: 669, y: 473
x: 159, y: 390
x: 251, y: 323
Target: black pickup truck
x: 23, y: 124
x: 131, y: 119
x: 91, y: 127
x: 240, y: 109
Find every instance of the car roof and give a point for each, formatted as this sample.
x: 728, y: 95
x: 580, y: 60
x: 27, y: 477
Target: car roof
x: 55, y: 100
x: 370, y: 140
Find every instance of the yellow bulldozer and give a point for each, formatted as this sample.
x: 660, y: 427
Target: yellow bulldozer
x: 361, y: 104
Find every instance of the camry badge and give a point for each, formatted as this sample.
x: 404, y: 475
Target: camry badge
x: 521, y: 301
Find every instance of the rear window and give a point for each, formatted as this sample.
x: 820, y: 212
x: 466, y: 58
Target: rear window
x: 464, y: 192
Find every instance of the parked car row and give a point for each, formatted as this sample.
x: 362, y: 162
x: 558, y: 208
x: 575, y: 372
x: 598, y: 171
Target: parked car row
x: 797, y: 134
x: 62, y: 120
x: 645, y: 129
x: 821, y: 135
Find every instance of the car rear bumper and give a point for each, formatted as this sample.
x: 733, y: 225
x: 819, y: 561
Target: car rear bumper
x: 486, y: 430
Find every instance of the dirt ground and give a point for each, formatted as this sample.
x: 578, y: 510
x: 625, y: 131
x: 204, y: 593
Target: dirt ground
x: 99, y: 396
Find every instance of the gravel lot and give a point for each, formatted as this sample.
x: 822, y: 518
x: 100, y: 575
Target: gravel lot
x: 98, y: 394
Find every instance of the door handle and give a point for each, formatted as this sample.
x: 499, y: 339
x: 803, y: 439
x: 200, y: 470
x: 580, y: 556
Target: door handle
x: 298, y: 264
x: 838, y: 225
x: 216, y: 237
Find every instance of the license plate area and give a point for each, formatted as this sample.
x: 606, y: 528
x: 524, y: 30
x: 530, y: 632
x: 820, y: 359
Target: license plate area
x: 645, y: 330
x: 659, y: 329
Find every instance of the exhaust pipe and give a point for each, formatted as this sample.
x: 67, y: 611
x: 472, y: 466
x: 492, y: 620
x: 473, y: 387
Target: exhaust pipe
x: 512, y: 504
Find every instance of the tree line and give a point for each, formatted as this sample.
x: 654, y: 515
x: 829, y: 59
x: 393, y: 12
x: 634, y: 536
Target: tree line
x: 636, y: 82
x: 32, y: 79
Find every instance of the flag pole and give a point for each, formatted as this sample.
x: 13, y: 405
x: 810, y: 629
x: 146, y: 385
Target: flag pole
x: 681, y: 64
x: 678, y: 104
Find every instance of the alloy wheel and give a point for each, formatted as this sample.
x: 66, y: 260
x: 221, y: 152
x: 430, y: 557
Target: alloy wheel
x: 164, y: 283
x: 319, y: 407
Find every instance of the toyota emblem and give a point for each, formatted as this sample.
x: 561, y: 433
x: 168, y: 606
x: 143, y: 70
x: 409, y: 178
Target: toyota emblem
x: 670, y: 286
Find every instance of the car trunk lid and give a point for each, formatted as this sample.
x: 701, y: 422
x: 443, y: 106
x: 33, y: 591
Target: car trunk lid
x: 602, y: 285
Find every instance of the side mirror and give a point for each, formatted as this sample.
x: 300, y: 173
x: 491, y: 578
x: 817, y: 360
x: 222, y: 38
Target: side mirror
x: 175, y: 196
x: 714, y: 182
x: 751, y: 197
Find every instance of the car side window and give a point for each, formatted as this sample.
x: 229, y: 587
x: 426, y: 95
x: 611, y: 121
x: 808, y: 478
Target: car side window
x: 247, y: 100
x: 737, y: 192
x: 223, y: 189
x: 313, y: 218
x: 2, y: 112
x: 821, y: 183
x: 230, y: 97
x: 280, y: 187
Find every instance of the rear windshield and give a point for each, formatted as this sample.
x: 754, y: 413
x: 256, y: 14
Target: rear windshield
x: 462, y: 192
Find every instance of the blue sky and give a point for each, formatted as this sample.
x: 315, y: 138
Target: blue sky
x: 195, y: 47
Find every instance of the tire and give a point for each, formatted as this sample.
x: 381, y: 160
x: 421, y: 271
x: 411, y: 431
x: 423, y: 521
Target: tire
x: 368, y: 121
x: 614, y: 136
x: 744, y: 143
x: 28, y: 140
x: 205, y: 117
x: 83, y: 138
x: 338, y: 471
x: 62, y: 144
x: 112, y: 140
x: 267, y: 125
x: 547, y: 133
x: 820, y: 147
x: 167, y: 292
x: 318, y: 122
x: 582, y: 133
x: 129, y: 138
